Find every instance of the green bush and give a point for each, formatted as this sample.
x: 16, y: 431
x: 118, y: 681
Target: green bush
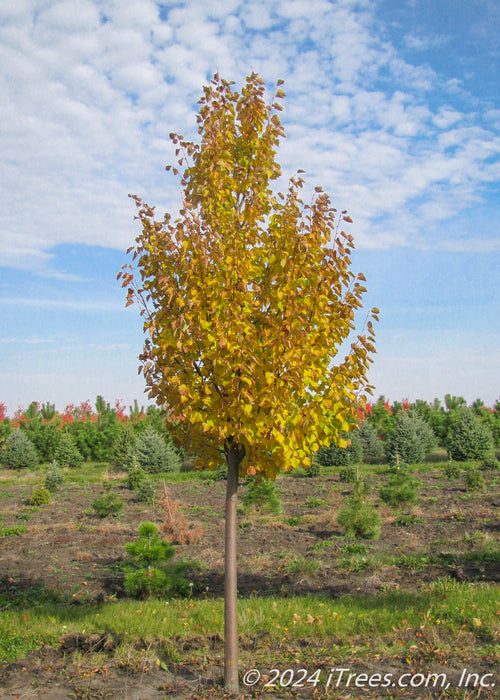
x: 489, y: 464
x: 334, y: 456
x: 220, y: 473
x: 372, y: 445
x: 468, y: 437
x: 262, y: 496
x: 473, y: 479
x: 146, y: 492
x: 53, y: 477
x: 452, y: 470
x: 314, y: 468
x: 67, y: 453
x: 148, y: 572
x: 359, y: 518
x: 107, y: 503
x: 349, y: 474
x: 40, y: 496
x: 411, y: 439
x: 19, y: 452
x: 135, y: 476
x: 400, y: 488
x: 154, y: 455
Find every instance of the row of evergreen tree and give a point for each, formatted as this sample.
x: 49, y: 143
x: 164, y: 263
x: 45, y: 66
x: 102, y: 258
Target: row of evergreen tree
x: 401, y: 432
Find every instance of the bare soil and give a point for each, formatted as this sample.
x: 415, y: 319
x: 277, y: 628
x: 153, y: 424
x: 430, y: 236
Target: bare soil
x: 67, y: 549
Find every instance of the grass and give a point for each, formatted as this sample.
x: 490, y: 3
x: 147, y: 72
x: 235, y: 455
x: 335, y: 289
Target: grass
x: 364, y: 624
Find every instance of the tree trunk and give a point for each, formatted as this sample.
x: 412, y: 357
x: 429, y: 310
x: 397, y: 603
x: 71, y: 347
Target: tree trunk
x: 234, y: 455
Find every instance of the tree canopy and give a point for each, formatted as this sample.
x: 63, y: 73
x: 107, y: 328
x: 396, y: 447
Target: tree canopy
x: 248, y: 295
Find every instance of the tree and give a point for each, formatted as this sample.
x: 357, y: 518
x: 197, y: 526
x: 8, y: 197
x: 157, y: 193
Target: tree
x: 469, y: 437
x: 246, y: 297
x: 411, y: 440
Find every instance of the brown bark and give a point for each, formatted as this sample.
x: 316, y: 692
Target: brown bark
x: 234, y: 455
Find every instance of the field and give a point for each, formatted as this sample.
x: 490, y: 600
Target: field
x: 420, y: 599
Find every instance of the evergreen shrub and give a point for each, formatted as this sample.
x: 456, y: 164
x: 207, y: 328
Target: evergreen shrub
x: 154, y: 454
x: 334, y: 456
x: 107, y: 503
x: 468, y: 437
x: 411, y: 439
x: 262, y: 496
x: 372, y: 445
x: 67, y: 453
x: 53, y: 478
x: 148, y: 571
x: 473, y: 479
x: 40, y: 496
x: 400, y: 488
x: 19, y: 452
x: 359, y: 518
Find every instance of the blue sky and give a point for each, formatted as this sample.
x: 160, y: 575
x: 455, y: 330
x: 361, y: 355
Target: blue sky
x: 392, y: 106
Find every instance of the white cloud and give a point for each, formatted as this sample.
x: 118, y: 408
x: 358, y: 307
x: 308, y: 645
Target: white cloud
x: 90, y: 92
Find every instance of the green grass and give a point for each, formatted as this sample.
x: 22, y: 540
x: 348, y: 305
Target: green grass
x: 448, y: 609
x: 12, y: 531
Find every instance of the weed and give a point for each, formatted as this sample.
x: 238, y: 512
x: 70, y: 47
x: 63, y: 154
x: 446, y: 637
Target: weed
x: 356, y: 548
x: 301, y: 566
x: 12, y: 531
x: 474, y: 537
x: 315, y: 502
x: 405, y: 519
x: 412, y: 562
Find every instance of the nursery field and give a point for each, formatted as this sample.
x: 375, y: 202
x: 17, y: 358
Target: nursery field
x: 414, y: 613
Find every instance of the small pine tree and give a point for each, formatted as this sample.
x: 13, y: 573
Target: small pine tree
x: 359, y: 518
x: 148, y: 572
x: 19, y: 452
x: 53, y: 477
x: 473, y: 479
x: 262, y: 496
x: 400, y: 488
x: 469, y: 438
x: 67, y: 453
x: 155, y: 455
x: 107, y: 503
x: 40, y: 496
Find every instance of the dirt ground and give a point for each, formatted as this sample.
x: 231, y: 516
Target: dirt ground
x: 66, y: 548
